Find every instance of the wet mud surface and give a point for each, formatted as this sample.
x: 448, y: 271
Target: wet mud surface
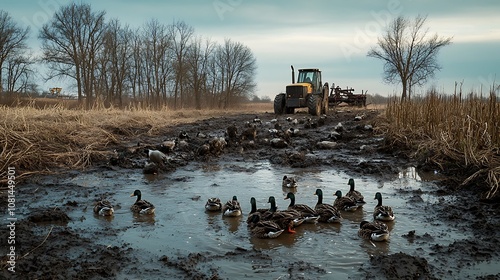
x: 47, y: 248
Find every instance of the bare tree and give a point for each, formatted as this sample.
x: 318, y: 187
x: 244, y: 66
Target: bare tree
x: 70, y: 44
x: 135, y: 75
x: 237, y: 66
x: 197, y: 60
x: 115, y: 61
x: 181, y: 33
x: 157, y: 62
x: 20, y: 73
x: 409, y: 53
x: 12, y: 42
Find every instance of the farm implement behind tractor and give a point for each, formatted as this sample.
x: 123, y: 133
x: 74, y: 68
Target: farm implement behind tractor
x: 338, y: 96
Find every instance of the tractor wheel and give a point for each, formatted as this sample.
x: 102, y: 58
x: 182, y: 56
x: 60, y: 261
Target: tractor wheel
x: 279, y: 104
x: 314, y: 105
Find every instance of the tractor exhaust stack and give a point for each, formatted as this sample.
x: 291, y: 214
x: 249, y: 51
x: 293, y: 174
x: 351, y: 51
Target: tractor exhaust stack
x: 293, y: 75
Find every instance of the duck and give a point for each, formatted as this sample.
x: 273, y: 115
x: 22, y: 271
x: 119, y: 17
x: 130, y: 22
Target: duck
x: 167, y: 146
x: 150, y: 168
x: 232, y: 208
x: 264, y: 229
x: 217, y: 145
x: 286, y: 219
x: 310, y: 215
x: 327, y: 213
x: 254, y: 210
x: 156, y: 156
x: 249, y: 133
x: 183, y: 135
x: 103, y: 208
x: 213, y: 204
x: 141, y: 206
x: 289, y: 182
x: 232, y: 132
x: 354, y: 194
x: 344, y: 203
x: 382, y: 212
x: 278, y: 142
x: 374, y: 231
x: 204, y: 149
x: 325, y: 145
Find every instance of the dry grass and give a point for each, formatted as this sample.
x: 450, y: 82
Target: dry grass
x: 450, y: 131
x: 43, y: 140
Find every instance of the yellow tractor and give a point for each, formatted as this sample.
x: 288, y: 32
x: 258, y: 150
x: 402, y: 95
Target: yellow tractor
x: 309, y: 91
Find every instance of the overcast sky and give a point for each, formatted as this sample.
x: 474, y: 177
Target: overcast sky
x: 328, y: 34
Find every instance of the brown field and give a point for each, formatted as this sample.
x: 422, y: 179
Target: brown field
x: 40, y: 140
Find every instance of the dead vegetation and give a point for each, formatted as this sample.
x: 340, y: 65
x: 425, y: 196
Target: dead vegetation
x: 450, y: 132
x: 43, y: 140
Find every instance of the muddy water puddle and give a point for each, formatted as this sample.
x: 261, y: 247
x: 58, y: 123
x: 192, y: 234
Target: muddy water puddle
x: 181, y: 225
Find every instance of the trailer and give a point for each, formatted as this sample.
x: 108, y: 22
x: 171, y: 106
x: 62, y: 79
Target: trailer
x: 338, y: 95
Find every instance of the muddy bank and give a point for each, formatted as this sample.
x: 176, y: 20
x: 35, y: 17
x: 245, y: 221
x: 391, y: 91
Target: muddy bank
x: 50, y: 247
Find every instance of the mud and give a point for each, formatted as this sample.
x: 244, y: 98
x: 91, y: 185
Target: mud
x: 48, y: 248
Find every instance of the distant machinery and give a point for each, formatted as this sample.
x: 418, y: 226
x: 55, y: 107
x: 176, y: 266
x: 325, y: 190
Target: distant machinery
x: 55, y: 91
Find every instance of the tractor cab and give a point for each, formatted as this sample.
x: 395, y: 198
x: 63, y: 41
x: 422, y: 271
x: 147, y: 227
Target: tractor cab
x: 312, y: 76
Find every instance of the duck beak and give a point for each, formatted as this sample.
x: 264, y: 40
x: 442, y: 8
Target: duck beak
x: 131, y: 195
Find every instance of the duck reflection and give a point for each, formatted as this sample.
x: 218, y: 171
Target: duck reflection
x: 232, y: 223
x: 144, y: 219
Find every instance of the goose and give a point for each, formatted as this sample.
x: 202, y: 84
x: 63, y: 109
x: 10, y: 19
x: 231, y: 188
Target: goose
x: 354, y: 194
x: 327, y: 213
x: 344, y: 203
x: 232, y: 208
x: 382, y: 212
x: 156, y: 156
x: 374, y: 231
x: 141, y: 206
x: 103, y: 208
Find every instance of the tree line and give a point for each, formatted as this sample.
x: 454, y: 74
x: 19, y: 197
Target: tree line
x: 155, y: 65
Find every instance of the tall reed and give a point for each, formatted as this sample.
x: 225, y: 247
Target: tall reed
x: 463, y: 131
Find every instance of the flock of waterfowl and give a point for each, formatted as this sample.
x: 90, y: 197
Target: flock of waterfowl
x: 271, y: 222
